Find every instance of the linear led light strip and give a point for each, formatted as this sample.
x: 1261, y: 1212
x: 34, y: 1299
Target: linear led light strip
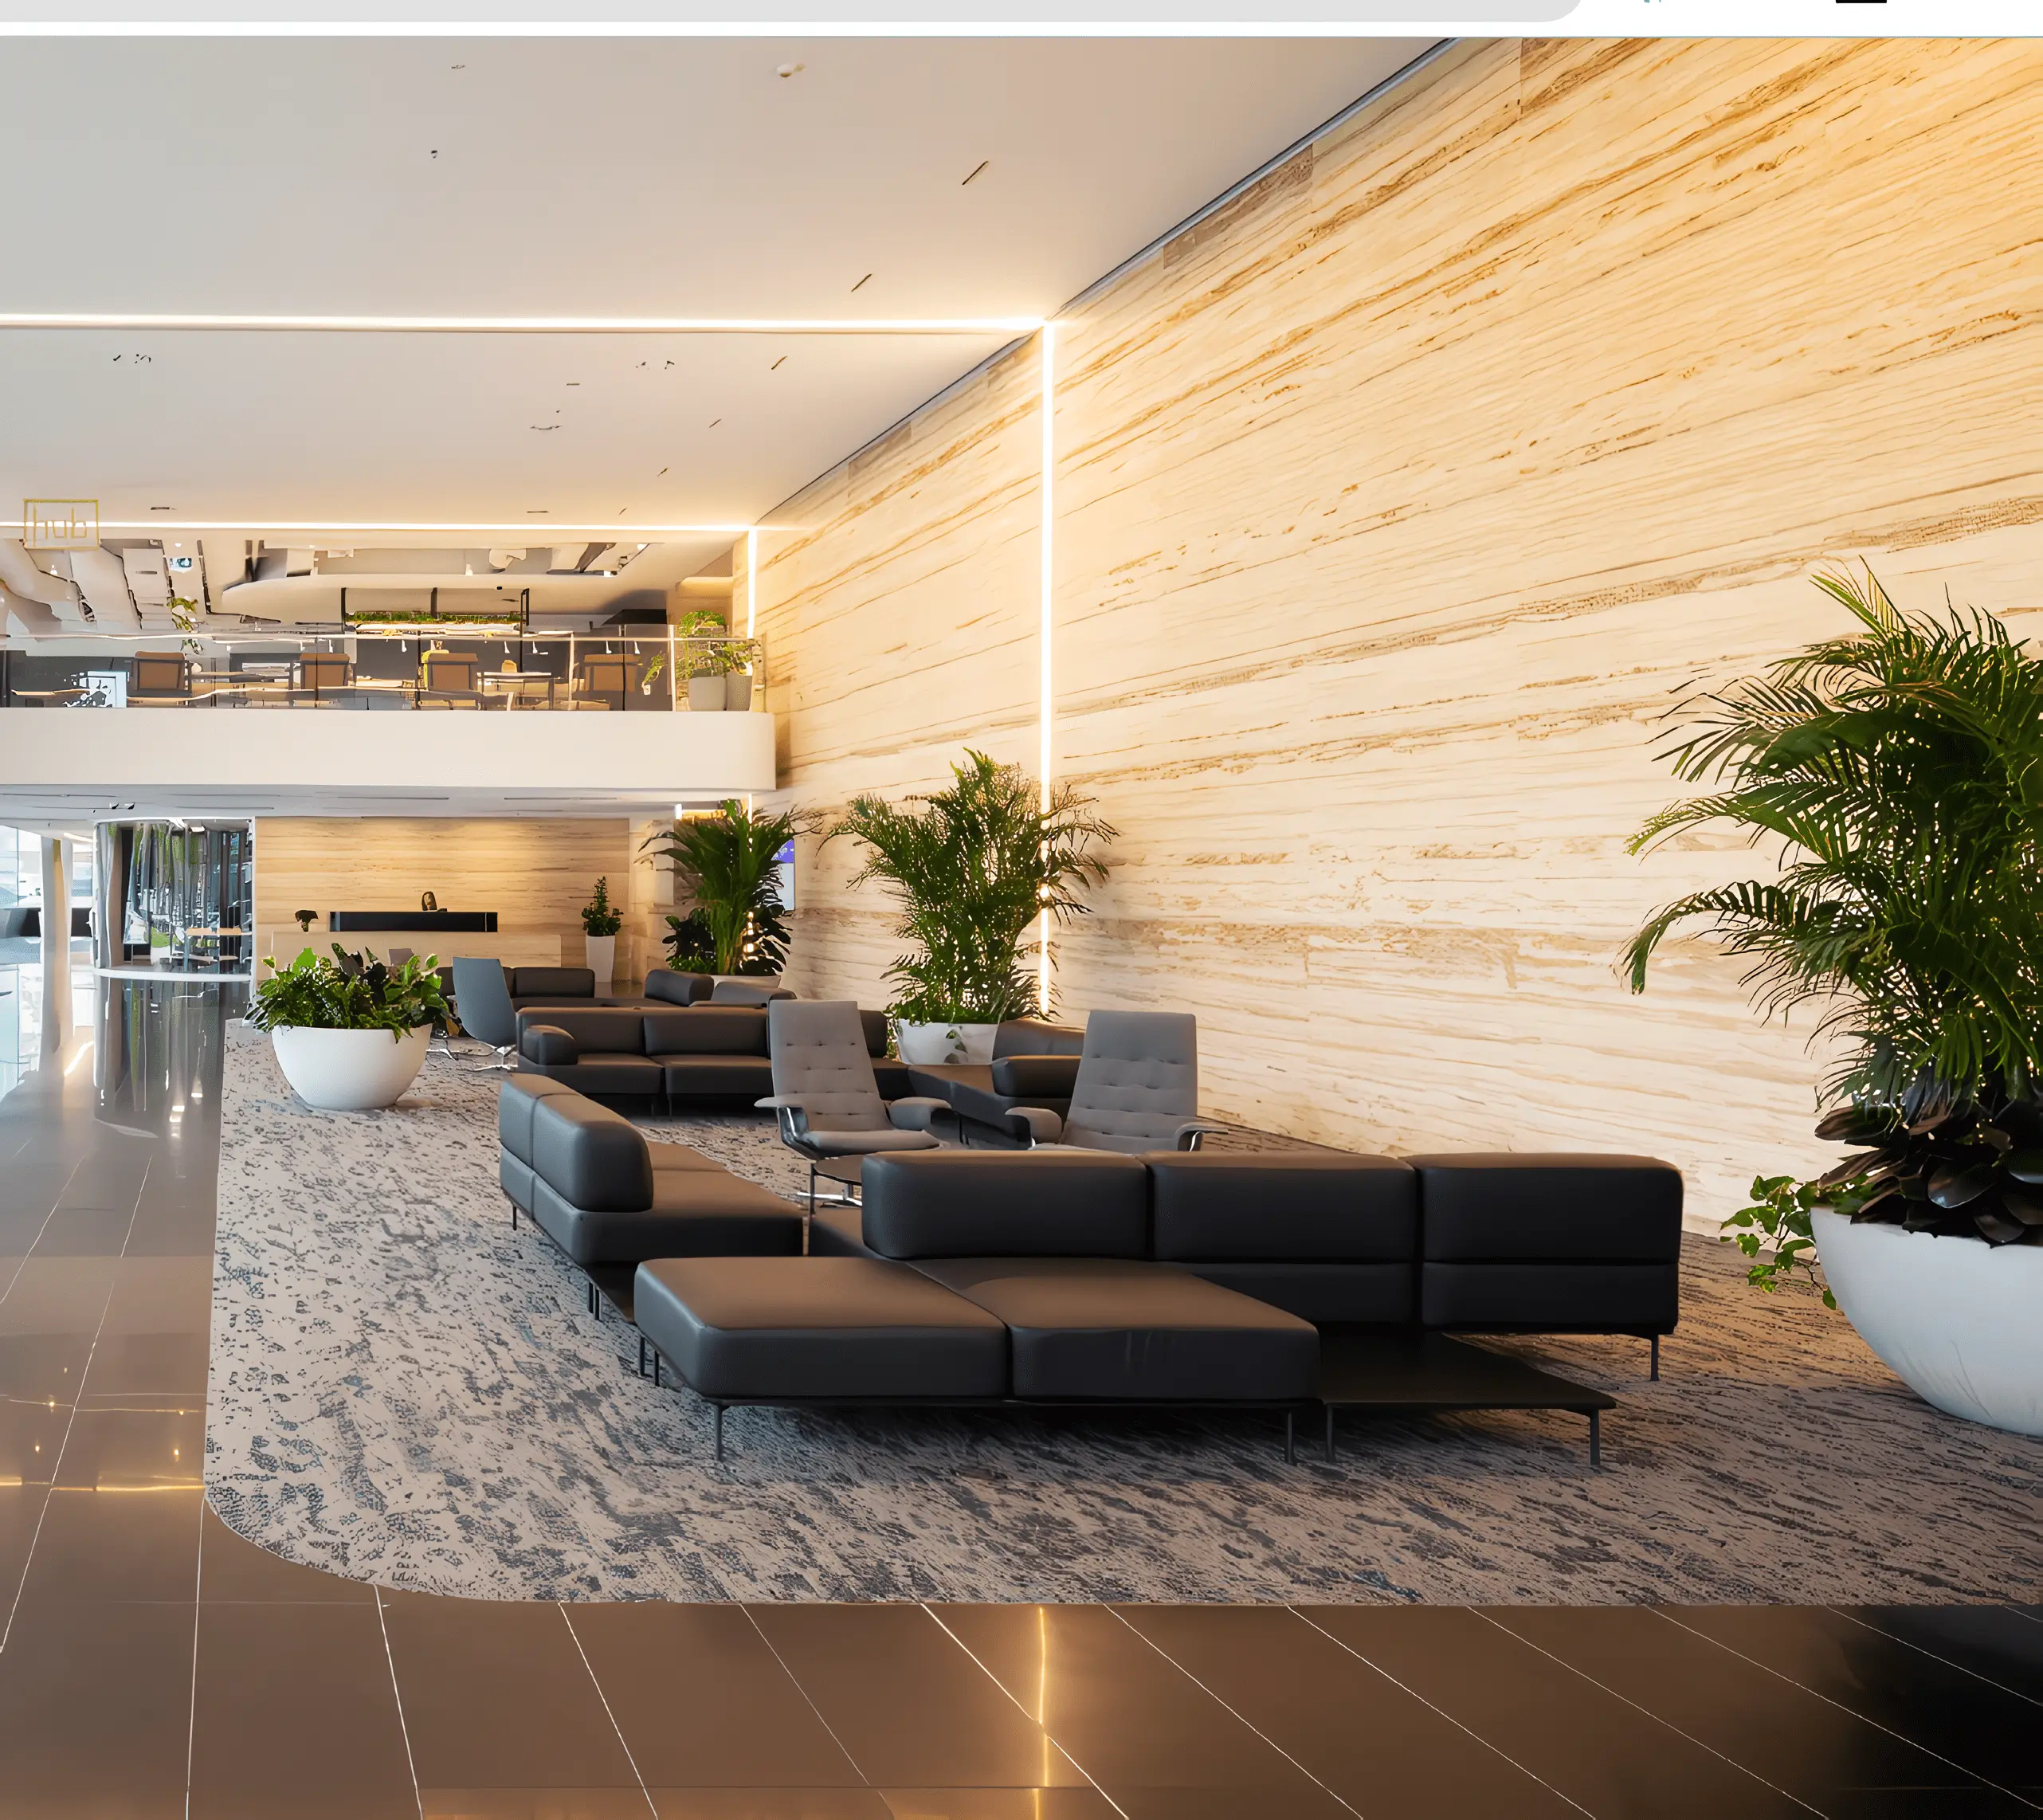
x: 610, y: 532
x: 523, y: 325
x: 1047, y: 336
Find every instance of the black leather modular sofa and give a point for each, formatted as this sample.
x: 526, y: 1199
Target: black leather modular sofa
x: 663, y: 1053
x: 609, y: 1199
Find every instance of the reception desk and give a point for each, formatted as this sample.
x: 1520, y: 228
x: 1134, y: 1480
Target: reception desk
x: 412, y: 922
x: 514, y: 948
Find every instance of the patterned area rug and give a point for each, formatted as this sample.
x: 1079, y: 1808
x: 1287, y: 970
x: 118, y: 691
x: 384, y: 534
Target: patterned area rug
x: 405, y: 1390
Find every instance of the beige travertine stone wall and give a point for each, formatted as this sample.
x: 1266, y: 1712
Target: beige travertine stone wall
x: 1392, y: 506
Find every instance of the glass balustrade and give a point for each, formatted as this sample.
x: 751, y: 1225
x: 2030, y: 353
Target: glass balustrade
x: 642, y: 671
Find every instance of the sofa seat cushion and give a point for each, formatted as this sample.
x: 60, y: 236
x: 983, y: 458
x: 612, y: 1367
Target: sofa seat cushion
x: 1495, y: 1207
x: 667, y: 1156
x: 1120, y: 1329
x: 716, y: 1076
x: 984, y: 1203
x: 864, y: 1142
x: 1585, y: 1297
x: 693, y: 1214
x: 838, y: 1232
x: 1325, y: 1294
x: 1283, y: 1206
x: 601, y: 1072
x: 755, y: 1329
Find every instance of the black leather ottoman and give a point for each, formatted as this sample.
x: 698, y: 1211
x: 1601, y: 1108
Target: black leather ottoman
x: 800, y: 1329
x: 1121, y: 1330
x: 1550, y: 1244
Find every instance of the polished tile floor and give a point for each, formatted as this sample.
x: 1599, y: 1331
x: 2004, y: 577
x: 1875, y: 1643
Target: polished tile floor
x: 154, y: 1663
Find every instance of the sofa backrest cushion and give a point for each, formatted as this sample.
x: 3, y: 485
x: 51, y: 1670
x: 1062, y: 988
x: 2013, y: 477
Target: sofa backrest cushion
x: 746, y: 992
x: 976, y: 1203
x: 590, y: 1156
x: 515, y: 1101
x: 597, y: 1029
x: 874, y: 1024
x: 1282, y: 1206
x: 1037, y: 1035
x: 673, y: 988
x: 568, y: 982
x: 704, y: 1029
x: 1035, y: 1078
x: 1548, y: 1208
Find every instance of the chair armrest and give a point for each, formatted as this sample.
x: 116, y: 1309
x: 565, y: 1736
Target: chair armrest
x: 1037, y: 1123
x: 1192, y: 1130
x: 913, y: 1112
x: 1036, y: 1076
x: 548, y: 1046
x: 791, y: 1111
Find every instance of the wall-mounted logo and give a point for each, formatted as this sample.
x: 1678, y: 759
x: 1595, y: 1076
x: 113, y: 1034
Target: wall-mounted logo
x: 60, y: 524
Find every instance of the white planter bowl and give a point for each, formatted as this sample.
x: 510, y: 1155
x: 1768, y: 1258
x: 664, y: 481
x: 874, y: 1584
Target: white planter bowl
x: 349, y: 1071
x: 1958, y: 1321
x: 934, y: 1044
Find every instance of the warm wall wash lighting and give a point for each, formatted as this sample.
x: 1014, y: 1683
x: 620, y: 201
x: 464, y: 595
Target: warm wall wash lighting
x: 526, y: 325
x: 1047, y: 336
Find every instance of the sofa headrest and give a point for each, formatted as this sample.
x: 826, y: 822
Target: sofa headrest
x: 590, y: 1156
x: 958, y: 1203
x: 705, y: 1030
x: 569, y: 981
x: 1034, y: 1079
x: 1326, y: 1206
x: 746, y: 992
x: 673, y: 988
x: 1037, y: 1036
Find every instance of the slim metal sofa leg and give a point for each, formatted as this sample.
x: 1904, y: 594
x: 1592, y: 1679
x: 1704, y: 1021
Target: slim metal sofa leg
x: 641, y: 1355
x: 719, y: 1409
x: 1595, y: 1439
x: 1329, y: 1443
x: 656, y: 1367
x: 1655, y: 1338
x: 1291, y: 1437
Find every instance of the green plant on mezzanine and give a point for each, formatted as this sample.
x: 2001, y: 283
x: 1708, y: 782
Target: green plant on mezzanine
x: 598, y: 917
x: 348, y: 993
x: 1900, y: 767
x: 974, y: 866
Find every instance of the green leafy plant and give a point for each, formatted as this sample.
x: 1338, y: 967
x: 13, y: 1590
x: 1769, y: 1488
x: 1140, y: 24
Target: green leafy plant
x: 725, y: 862
x: 348, y: 993
x: 1900, y: 767
x: 974, y: 866
x: 598, y: 917
x: 1775, y: 1234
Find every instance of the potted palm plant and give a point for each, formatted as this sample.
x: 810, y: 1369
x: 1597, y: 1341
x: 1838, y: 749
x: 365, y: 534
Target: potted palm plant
x: 1901, y: 768
x: 349, y: 1034
x: 600, y: 924
x: 727, y: 863
x: 974, y: 866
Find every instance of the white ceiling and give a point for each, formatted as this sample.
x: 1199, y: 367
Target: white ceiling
x: 589, y: 177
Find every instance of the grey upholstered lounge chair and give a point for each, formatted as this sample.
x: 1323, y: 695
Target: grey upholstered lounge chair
x: 825, y: 1094
x: 482, y: 1002
x: 1138, y: 1088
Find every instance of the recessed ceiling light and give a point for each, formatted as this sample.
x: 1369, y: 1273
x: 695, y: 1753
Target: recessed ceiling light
x: 537, y: 511
x: 788, y: 69
x: 976, y: 169
x: 776, y: 366
x: 863, y: 282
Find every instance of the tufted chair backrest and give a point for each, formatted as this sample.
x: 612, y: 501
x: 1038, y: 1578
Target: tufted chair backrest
x: 1138, y: 1080
x: 818, y: 1050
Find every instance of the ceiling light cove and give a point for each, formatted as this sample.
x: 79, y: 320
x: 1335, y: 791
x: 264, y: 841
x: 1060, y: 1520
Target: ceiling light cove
x: 524, y: 325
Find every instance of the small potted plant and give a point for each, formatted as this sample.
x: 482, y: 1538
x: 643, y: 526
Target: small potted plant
x: 735, y: 656
x: 701, y: 657
x: 600, y: 924
x: 349, y: 1034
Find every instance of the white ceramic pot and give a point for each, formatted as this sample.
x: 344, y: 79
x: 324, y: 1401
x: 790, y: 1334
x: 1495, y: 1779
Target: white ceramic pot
x: 706, y: 693
x: 738, y: 690
x: 600, y: 955
x: 1958, y: 1321
x: 349, y: 1071
x: 937, y: 1044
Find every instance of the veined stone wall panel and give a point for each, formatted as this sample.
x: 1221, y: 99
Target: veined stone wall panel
x: 1394, y: 505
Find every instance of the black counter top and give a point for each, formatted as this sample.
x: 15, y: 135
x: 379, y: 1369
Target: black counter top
x: 411, y: 922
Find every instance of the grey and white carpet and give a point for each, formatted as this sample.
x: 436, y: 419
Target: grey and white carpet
x: 405, y: 1390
